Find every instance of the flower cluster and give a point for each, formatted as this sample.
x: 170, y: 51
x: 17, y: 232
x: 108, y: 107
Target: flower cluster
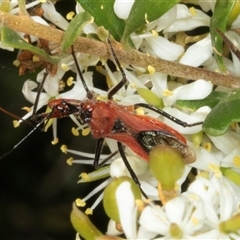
x: 209, y: 207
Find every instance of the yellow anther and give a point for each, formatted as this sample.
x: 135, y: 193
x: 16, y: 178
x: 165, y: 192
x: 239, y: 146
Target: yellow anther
x: 65, y: 67
x: 84, y: 176
x: 193, y: 11
x: 146, y: 16
x: 151, y: 69
x: 215, y: 169
x: 64, y: 148
x: 203, y: 174
x: 80, y: 203
x: 102, y: 7
x: 167, y: 93
x: 70, y: 15
x: 195, y: 221
x: 92, y: 20
x: 28, y: 109
x: 70, y: 161
x: 236, y: 161
x: 16, y: 63
x: 140, y: 204
x: 70, y: 81
x: 42, y: 1
x: 16, y: 123
x: 140, y: 111
x: 86, y: 131
x: 75, y: 131
x: 89, y: 211
x: 54, y: 141
x: 35, y: 58
x: 154, y: 33
x: 207, y: 146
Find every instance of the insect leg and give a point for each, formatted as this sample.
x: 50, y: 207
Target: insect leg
x: 129, y: 168
x: 98, y: 152
x: 160, y: 111
x: 89, y: 94
x: 117, y: 87
x: 40, y: 88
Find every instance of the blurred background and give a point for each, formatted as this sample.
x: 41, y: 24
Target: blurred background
x: 37, y: 187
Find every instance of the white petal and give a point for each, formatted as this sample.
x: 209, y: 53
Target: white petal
x: 198, y: 53
x: 154, y: 220
x: 127, y: 209
x: 111, y: 229
x: 30, y: 95
x: 227, y: 142
x: 123, y: 8
x: 165, y: 49
x: 193, y: 91
x: 186, y: 21
x: 53, y: 16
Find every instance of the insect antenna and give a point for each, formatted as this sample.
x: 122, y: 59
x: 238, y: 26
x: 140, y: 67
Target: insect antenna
x: 116, y: 88
x: 23, y: 139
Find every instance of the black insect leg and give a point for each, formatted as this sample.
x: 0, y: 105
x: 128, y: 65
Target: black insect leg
x: 160, y: 111
x: 129, y: 168
x: 89, y: 94
x: 117, y: 87
x: 98, y: 153
x: 40, y: 88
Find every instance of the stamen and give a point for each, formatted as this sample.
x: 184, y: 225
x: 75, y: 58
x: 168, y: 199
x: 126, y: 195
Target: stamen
x: 28, y: 109
x: 167, y: 93
x: 97, y: 189
x: 146, y: 16
x: 65, y: 67
x: 89, y: 211
x: 86, y: 131
x: 236, y: 161
x: 207, y: 146
x: 98, y: 200
x: 70, y: 15
x: 193, y: 11
x: 70, y: 81
x: 75, y: 131
x: 140, y: 111
x: 80, y: 202
x: 70, y: 161
x: 16, y: 123
x: 35, y: 58
x: 84, y: 176
x: 154, y: 33
x: 54, y: 141
x: 64, y: 148
x: 151, y: 69
x: 215, y: 169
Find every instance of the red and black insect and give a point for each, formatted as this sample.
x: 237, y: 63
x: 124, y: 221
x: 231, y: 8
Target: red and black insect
x: 107, y: 119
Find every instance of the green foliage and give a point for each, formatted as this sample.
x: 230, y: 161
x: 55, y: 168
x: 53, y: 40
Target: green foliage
x: 10, y: 38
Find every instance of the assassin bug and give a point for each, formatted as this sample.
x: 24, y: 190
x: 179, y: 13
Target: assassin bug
x: 107, y: 119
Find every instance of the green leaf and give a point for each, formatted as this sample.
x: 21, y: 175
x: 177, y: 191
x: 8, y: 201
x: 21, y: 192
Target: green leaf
x: 143, y: 11
x: 75, y: 27
x: 150, y: 97
x: 221, y: 16
x: 192, y: 105
x: 10, y: 38
x: 223, y: 115
x: 103, y: 13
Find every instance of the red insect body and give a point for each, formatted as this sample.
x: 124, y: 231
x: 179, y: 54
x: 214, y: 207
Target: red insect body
x: 102, y: 116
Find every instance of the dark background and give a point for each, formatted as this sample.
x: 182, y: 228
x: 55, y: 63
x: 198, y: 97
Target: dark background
x: 37, y: 187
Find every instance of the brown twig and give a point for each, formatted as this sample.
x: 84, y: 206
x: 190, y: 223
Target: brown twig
x: 27, y: 25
